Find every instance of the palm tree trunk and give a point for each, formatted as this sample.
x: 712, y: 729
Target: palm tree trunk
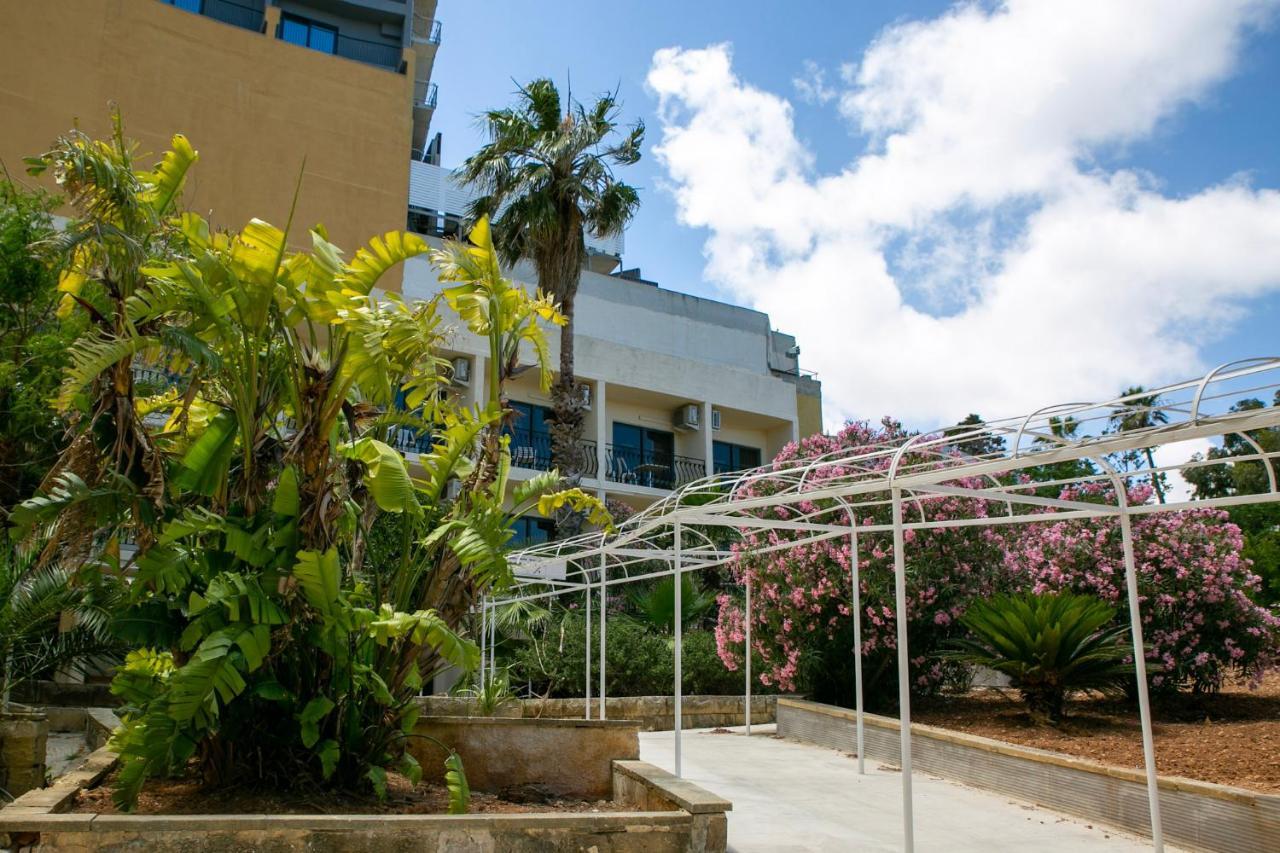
x: 1155, y: 476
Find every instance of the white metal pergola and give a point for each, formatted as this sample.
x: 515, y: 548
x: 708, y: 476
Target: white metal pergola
x: 826, y: 497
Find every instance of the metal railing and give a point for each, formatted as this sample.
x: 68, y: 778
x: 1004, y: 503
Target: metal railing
x: 425, y: 94
x: 534, y: 453
x: 426, y: 29
x: 248, y: 16
x: 241, y: 15
x: 370, y: 52
x: 637, y: 467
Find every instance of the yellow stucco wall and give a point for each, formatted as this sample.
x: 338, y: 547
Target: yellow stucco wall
x: 253, y: 106
x: 808, y: 412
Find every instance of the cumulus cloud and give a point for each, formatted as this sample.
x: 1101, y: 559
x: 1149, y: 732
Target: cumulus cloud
x: 975, y: 256
x: 811, y: 85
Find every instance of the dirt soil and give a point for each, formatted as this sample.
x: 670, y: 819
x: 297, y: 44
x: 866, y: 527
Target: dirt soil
x: 189, y: 796
x: 1232, y: 738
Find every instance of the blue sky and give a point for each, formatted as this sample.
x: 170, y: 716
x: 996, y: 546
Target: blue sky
x: 1216, y: 128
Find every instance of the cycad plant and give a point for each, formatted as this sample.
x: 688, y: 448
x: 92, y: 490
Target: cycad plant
x: 49, y: 621
x: 1048, y: 644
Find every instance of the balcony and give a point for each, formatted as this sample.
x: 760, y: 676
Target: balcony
x: 246, y: 15
x: 370, y: 52
x: 533, y: 452
x: 426, y: 30
x: 425, y: 94
x: 636, y: 467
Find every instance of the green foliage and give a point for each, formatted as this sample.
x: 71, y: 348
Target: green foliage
x: 1048, y: 645
x: 50, y: 620
x: 33, y: 345
x: 655, y: 603
x: 268, y: 653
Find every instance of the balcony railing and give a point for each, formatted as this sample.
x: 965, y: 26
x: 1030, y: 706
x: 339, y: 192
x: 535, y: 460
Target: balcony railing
x: 648, y: 468
x: 371, y: 52
x: 534, y: 452
x: 425, y: 94
x: 246, y: 15
x: 426, y: 29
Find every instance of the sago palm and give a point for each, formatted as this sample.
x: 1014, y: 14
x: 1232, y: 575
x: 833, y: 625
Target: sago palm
x: 1048, y: 645
x: 546, y: 178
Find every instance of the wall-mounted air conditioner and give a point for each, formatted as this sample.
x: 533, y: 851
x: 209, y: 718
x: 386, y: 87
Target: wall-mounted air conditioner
x: 461, y: 370
x: 688, y: 417
x: 715, y: 419
x: 584, y: 396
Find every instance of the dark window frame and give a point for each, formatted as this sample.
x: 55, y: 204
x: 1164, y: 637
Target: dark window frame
x: 735, y: 454
x: 312, y: 27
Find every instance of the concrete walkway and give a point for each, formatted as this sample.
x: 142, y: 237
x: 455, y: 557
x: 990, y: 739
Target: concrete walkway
x: 789, y: 796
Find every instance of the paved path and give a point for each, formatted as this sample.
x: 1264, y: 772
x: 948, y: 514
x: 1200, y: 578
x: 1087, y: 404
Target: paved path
x: 789, y: 797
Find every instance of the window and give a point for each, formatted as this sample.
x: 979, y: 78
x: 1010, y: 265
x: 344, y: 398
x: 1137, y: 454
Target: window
x: 308, y: 33
x: 530, y: 435
x: 733, y: 457
x: 188, y: 5
x: 532, y: 531
x: 643, y: 456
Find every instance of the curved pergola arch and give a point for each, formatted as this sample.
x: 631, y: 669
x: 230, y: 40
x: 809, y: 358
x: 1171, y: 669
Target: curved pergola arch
x: 820, y: 498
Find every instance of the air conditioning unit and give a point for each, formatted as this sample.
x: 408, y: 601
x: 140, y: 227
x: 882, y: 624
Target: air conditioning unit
x: 585, y: 396
x: 715, y: 419
x: 461, y: 370
x: 453, y: 489
x: 688, y: 417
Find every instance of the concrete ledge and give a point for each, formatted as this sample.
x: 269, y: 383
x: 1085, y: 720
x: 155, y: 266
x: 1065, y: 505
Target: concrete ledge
x: 640, y: 784
x: 684, y: 794
x: 1196, y: 815
x: 653, y: 713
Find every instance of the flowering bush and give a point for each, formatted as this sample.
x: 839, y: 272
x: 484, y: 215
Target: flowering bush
x: 1199, y: 621
x: 801, y: 628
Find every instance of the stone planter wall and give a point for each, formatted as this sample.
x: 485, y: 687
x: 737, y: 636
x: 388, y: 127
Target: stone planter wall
x: 540, y: 759
x: 1196, y: 815
x: 653, y: 713
x: 679, y: 817
x: 23, y: 735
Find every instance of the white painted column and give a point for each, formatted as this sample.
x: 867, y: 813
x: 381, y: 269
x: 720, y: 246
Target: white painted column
x: 602, y: 433
x: 604, y: 598
x: 677, y: 565
x: 484, y: 638
x: 707, y: 439
x: 904, y: 671
x: 746, y: 621
x: 479, y: 379
x: 1140, y: 664
x: 493, y: 642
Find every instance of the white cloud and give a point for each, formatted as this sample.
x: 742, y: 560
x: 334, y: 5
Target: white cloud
x: 812, y: 86
x: 976, y: 258
x: 1176, y: 454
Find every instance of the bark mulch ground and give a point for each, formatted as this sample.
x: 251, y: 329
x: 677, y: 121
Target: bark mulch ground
x: 189, y: 796
x: 1232, y: 738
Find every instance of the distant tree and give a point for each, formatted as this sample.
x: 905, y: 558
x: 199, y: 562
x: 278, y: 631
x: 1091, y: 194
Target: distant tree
x: 1259, y: 522
x: 1062, y: 430
x: 546, y: 179
x: 1141, y: 412
x: 976, y: 445
x: 33, y: 345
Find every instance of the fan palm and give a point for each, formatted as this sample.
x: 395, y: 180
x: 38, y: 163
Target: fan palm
x: 656, y: 604
x: 1142, y: 412
x: 1047, y: 644
x: 546, y: 179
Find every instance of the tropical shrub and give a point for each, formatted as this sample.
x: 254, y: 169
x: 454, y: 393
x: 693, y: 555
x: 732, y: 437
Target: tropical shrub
x: 268, y: 652
x: 654, y: 602
x: 1199, y: 620
x: 801, y: 596
x: 1048, y: 644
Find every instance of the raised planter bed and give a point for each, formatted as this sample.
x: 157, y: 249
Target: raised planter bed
x: 670, y: 816
x: 1196, y: 815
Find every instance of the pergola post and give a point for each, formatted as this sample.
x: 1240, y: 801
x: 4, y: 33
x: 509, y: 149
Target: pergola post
x: 678, y: 565
x: 586, y: 645
x: 603, y: 646
x: 493, y: 641
x: 857, y: 639
x: 746, y: 654
x: 484, y: 639
x: 1140, y: 666
x: 904, y: 670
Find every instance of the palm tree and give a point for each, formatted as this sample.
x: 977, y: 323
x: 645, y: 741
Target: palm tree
x: 1142, y: 412
x: 546, y: 179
